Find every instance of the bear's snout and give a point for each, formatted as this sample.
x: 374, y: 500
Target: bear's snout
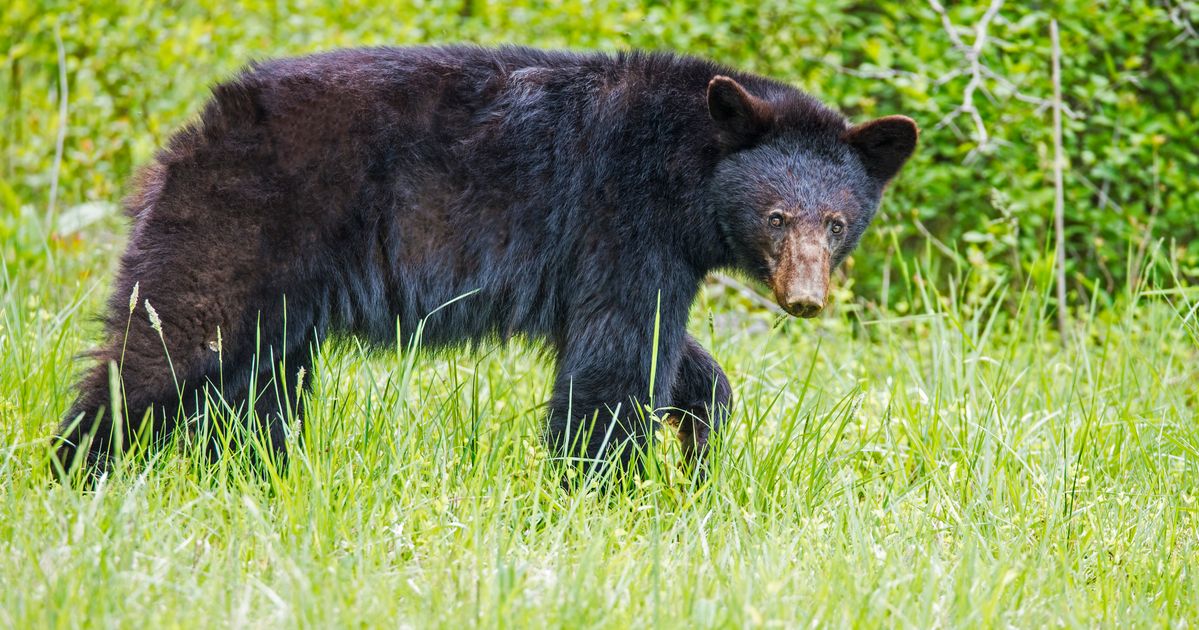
x: 804, y: 304
x: 801, y: 277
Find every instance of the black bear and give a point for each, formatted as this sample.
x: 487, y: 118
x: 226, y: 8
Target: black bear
x: 577, y: 200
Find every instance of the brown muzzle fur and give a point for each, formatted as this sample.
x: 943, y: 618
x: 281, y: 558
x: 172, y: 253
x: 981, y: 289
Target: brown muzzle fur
x: 800, y: 281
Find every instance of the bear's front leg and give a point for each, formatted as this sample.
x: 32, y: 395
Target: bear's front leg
x: 609, y: 379
x: 702, y: 399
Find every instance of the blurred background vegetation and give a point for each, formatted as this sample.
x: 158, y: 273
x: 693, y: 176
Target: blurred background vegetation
x: 89, y: 90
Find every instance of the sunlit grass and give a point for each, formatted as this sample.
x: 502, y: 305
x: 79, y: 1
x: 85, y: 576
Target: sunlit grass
x: 954, y: 465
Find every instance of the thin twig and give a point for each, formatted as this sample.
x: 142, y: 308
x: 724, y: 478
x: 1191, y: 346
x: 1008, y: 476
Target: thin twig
x: 942, y: 247
x: 62, y: 124
x: 1182, y: 22
x: 1059, y: 203
x: 863, y: 73
x: 1105, y: 200
x: 1134, y: 271
x: 973, y: 55
x: 746, y: 292
x: 1041, y: 103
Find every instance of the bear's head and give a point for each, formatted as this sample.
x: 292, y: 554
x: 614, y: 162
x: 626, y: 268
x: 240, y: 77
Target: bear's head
x: 797, y: 187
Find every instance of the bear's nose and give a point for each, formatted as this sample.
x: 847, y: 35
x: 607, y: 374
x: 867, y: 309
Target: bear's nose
x: 805, y: 304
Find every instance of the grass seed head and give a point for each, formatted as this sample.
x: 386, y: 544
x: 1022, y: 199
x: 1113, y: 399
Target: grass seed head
x: 155, y: 321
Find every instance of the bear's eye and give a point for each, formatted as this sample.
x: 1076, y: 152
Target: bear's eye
x: 836, y: 226
x: 776, y: 219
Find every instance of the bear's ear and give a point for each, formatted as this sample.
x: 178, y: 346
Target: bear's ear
x: 884, y: 144
x: 740, y: 116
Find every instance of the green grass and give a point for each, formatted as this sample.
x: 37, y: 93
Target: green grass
x: 953, y: 465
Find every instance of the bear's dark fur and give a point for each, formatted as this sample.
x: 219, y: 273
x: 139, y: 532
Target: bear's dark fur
x: 574, y: 199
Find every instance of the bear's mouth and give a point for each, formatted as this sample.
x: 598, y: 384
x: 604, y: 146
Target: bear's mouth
x: 802, y: 301
x: 804, y: 310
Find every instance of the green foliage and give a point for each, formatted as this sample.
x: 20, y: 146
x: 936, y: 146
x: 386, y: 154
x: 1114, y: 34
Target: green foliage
x: 135, y: 71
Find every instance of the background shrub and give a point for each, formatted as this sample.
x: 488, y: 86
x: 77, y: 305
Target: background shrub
x: 979, y: 192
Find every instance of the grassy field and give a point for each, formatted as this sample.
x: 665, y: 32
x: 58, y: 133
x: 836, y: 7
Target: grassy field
x: 950, y: 466
x: 929, y: 453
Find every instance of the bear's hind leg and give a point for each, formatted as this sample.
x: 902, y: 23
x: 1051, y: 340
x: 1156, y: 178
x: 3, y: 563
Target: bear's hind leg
x: 159, y: 347
x: 205, y: 310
